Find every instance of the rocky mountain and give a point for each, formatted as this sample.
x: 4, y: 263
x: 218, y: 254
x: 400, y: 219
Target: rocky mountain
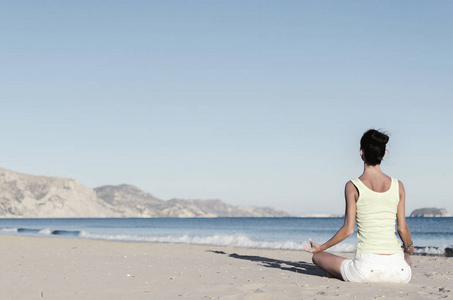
x: 430, y: 212
x: 130, y: 201
x: 217, y: 208
x: 31, y: 196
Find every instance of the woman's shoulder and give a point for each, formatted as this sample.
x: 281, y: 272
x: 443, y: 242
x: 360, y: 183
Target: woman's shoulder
x: 352, y: 185
x: 354, y: 182
x: 351, y: 190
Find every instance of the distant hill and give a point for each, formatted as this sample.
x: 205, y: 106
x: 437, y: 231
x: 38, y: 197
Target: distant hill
x: 129, y: 199
x: 32, y: 196
x: 430, y: 212
x: 220, y: 209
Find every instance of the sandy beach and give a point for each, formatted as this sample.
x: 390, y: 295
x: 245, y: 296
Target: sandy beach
x: 62, y: 268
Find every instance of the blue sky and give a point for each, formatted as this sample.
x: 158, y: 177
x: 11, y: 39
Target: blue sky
x: 252, y: 102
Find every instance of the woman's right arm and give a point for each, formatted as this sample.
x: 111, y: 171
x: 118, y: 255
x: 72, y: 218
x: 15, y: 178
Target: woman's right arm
x: 351, y: 196
x: 403, y: 229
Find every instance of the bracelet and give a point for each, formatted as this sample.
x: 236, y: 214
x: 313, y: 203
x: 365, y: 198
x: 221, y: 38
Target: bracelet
x: 408, y: 247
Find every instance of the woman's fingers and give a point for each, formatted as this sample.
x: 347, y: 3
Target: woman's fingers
x: 313, y: 247
x: 307, y: 247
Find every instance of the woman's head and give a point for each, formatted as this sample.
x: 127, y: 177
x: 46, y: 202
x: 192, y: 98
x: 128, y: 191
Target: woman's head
x: 372, y: 145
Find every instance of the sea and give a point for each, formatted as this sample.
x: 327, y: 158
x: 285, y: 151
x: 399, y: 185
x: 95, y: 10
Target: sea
x: 431, y: 236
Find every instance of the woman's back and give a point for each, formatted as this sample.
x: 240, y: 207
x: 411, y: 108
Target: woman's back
x: 377, y: 205
x: 379, y: 182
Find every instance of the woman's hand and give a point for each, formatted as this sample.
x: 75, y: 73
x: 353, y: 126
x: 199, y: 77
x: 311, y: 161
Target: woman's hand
x: 315, y: 248
x: 409, y: 249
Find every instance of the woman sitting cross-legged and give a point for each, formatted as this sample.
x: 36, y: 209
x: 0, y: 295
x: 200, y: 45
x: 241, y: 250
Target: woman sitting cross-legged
x: 375, y: 201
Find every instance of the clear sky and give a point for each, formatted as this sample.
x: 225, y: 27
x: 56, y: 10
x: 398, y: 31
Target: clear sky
x: 252, y: 102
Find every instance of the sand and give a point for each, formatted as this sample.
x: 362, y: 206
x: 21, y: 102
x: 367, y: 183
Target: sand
x: 60, y: 268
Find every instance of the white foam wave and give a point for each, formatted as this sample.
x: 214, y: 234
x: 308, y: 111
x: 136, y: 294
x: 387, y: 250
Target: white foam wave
x: 45, y: 231
x: 10, y: 229
x: 238, y: 240
x: 436, y: 251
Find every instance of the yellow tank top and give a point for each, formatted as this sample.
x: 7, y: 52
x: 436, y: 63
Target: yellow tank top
x: 376, y: 219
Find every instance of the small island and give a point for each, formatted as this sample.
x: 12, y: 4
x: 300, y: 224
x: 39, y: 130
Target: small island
x: 430, y: 212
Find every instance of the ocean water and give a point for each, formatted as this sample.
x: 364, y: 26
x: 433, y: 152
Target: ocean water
x: 432, y: 236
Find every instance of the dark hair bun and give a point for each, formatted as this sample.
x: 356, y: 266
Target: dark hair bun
x: 373, y: 144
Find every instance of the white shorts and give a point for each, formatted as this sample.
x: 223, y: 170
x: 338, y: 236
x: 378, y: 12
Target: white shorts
x: 376, y: 268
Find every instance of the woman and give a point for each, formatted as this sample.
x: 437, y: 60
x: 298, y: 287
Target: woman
x: 374, y: 201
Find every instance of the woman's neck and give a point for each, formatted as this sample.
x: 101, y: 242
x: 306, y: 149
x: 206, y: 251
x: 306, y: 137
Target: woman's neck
x: 372, y: 170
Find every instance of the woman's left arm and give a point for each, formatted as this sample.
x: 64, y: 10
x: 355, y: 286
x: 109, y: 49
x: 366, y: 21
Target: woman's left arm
x: 403, y: 229
x: 351, y: 196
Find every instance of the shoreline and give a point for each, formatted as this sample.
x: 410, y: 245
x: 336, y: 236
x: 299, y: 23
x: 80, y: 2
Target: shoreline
x: 261, y: 233
x: 442, y: 251
x: 54, y: 268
